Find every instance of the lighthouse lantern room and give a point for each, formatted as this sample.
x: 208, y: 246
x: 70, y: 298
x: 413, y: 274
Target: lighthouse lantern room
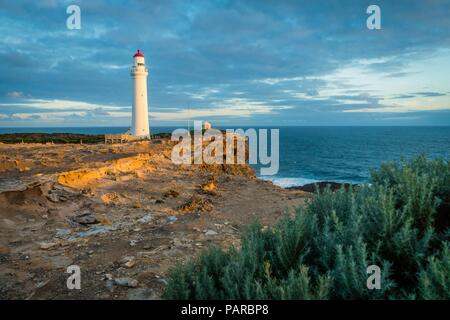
x: 139, y: 73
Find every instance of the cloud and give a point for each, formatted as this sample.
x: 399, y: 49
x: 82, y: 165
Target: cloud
x: 400, y: 109
x: 203, y: 93
x: 404, y: 96
x: 289, y: 61
x: 15, y: 94
x: 430, y: 94
x: 398, y: 74
x: 64, y: 110
x: 56, y: 104
x: 100, y: 111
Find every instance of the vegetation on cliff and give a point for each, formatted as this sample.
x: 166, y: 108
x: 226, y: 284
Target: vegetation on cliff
x: 399, y: 222
x: 61, y: 138
x: 57, y: 138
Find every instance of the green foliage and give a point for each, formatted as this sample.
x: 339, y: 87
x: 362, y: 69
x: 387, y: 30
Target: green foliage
x: 399, y: 222
x: 434, y: 281
x: 57, y: 138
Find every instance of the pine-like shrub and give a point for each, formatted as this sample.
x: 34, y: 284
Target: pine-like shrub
x: 434, y: 281
x: 399, y: 222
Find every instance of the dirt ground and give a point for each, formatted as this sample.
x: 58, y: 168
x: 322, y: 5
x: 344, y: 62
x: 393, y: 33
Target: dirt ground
x: 124, y: 213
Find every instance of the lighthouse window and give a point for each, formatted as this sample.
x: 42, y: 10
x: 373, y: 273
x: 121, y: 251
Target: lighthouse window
x: 140, y: 64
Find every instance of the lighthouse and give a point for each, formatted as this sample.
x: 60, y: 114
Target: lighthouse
x: 139, y: 121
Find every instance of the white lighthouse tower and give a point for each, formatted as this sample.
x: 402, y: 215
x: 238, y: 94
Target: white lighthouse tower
x: 139, y: 73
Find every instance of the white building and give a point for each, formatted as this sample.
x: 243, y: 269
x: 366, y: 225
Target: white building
x: 139, y: 73
x: 207, y: 125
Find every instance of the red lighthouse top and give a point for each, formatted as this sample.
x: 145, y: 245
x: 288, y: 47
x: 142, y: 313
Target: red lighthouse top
x: 138, y: 54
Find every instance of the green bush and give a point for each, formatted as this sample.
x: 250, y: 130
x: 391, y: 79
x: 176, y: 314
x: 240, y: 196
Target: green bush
x: 434, y: 281
x: 399, y: 222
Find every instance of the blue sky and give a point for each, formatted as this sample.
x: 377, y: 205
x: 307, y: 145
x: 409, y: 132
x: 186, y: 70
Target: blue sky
x: 245, y: 63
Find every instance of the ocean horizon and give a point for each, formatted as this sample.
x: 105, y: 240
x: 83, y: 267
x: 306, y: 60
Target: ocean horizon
x: 311, y: 154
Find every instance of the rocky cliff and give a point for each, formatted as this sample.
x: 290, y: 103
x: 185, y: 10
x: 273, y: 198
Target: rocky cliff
x: 123, y: 213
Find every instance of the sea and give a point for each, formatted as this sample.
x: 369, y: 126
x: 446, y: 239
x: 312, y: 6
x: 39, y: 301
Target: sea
x: 313, y: 154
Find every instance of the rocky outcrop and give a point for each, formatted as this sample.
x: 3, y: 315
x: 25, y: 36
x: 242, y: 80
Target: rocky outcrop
x: 84, y: 177
x: 125, y: 213
x: 19, y: 165
x: 312, y: 187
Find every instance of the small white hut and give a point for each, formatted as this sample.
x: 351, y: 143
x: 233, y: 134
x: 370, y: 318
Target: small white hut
x: 207, y: 125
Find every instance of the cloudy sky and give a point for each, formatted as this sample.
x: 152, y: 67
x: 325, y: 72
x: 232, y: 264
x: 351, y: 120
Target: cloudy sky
x: 240, y: 62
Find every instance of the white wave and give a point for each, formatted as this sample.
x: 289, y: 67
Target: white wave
x: 288, y: 182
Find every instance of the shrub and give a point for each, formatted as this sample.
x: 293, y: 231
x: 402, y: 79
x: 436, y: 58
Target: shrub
x: 434, y: 281
x: 399, y: 222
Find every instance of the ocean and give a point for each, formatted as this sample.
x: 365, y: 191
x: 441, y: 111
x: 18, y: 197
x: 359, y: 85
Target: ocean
x: 341, y: 154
